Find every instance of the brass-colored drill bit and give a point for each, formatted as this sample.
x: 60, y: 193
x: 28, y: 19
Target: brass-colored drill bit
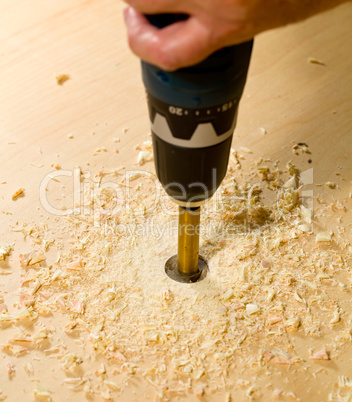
x: 188, y: 241
x: 187, y: 266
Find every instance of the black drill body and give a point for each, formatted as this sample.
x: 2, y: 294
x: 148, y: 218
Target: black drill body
x: 193, y: 114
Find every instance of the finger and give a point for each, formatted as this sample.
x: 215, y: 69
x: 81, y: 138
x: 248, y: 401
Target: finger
x: 178, y: 45
x: 140, y: 33
x: 158, y: 6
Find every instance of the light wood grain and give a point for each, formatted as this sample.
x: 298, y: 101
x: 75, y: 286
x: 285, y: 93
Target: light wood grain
x: 294, y: 100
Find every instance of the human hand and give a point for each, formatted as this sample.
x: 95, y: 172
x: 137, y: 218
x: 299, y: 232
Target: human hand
x: 212, y: 24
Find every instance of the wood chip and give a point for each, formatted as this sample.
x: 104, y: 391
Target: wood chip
x: 18, y: 193
x: 62, y: 78
x: 323, y: 236
x: 321, y: 354
x: 5, y: 251
x: 313, y: 60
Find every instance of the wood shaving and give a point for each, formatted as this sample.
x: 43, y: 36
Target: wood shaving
x: 252, y: 308
x: 331, y: 185
x: 268, y: 281
x: 144, y: 156
x: 344, y: 382
x: 42, y: 394
x: 312, y: 60
x: 10, y: 368
x: 321, y: 354
x: 29, y: 368
x: 5, y: 251
x: 323, y: 236
x: 62, y: 78
x: 246, y: 150
x: 75, y: 383
x: 18, y: 193
x: 343, y: 391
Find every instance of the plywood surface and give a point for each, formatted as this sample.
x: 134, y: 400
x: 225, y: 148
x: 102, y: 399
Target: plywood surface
x: 43, y: 124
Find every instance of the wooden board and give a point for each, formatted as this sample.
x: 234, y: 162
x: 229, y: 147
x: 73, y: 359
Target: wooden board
x: 43, y: 124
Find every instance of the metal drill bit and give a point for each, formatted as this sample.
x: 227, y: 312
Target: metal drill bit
x: 188, y: 241
x: 187, y: 266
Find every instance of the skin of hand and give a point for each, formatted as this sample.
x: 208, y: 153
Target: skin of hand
x: 212, y: 24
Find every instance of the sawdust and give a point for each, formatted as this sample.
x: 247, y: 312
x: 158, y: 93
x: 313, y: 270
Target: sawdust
x: 270, y: 277
x: 62, y: 78
x: 18, y: 193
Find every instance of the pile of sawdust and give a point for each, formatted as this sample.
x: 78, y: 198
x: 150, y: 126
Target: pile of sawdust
x: 269, y: 279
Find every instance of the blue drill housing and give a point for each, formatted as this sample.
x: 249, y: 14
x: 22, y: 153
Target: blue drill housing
x: 207, y: 95
x: 217, y: 80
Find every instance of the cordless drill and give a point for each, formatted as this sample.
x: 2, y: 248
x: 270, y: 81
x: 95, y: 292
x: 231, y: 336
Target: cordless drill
x: 193, y: 113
